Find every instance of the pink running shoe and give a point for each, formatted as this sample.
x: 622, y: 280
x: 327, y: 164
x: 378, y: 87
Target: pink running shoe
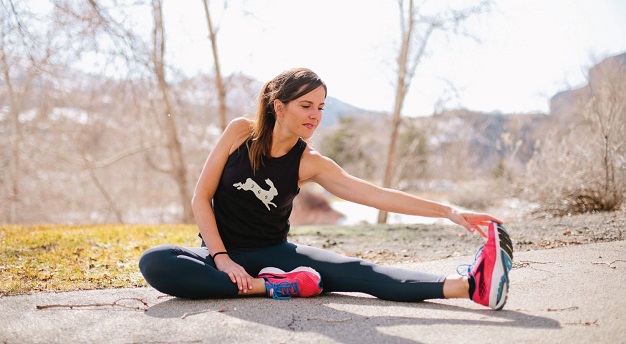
x: 301, y: 282
x: 490, y: 271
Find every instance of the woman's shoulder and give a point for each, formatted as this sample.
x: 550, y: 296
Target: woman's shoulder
x: 237, y: 132
x: 312, y: 162
x: 239, y: 125
x: 311, y: 154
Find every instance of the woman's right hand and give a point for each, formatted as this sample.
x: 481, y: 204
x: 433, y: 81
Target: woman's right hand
x: 236, y: 272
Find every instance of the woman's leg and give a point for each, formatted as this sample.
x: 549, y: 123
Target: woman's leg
x: 342, y: 273
x: 456, y: 287
x: 188, y: 273
x: 191, y: 273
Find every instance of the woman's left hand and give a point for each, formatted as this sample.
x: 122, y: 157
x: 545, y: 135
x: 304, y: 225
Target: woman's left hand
x: 472, y: 221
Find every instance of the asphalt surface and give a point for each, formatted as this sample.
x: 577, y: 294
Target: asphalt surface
x: 567, y: 295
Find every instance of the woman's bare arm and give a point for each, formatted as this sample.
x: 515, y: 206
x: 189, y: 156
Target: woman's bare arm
x: 332, y: 177
x: 234, y: 134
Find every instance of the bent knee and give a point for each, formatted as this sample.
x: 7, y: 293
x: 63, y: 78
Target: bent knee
x: 154, y: 259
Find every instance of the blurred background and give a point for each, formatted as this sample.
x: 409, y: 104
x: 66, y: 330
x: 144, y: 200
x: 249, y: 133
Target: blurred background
x: 108, y: 109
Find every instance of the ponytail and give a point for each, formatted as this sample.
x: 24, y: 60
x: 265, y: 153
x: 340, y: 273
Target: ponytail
x: 262, y: 128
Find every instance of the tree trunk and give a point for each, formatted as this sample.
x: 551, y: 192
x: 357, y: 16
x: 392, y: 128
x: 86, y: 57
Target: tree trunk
x: 401, y: 87
x: 411, y: 52
x: 221, y: 90
x: 175, y: 152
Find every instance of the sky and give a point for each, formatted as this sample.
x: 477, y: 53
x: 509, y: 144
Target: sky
x: 527, y: 50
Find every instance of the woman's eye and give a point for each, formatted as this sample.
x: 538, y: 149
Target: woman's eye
x: 321, y: 109
x: 306, y: 106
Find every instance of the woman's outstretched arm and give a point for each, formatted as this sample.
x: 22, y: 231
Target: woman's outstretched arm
x: 324, y: 171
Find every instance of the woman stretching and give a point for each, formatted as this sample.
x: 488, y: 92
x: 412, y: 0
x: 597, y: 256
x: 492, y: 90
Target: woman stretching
x: 244, y: 197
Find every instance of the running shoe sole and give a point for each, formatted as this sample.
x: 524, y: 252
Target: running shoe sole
x: 277, y: 271
x: 499, y: 290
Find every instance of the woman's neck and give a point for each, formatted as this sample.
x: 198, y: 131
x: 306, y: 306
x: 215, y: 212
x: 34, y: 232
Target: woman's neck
x: 282, y: 144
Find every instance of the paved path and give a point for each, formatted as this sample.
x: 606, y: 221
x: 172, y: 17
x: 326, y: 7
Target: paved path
x: 566, y: 295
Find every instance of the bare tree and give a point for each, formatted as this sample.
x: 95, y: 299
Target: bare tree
x: 84, y: 96
x: 22, y: 59
x: 219, y: 82
x: 416, y: 32
x: 105, y: 31
x: 175, y: 152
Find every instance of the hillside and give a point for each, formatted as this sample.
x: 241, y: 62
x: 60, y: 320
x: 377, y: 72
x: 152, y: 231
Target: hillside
x: 566, y: 101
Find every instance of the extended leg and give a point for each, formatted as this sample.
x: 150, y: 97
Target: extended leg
x: 342, y: 273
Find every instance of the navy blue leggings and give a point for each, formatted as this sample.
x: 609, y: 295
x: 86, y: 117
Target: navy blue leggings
x: 190, y: 272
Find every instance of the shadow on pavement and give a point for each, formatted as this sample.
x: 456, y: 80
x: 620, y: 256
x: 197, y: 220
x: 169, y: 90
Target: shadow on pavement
x: 347, y: 318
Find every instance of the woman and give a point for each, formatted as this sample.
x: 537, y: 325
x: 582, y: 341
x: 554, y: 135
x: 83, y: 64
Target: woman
x: 242, y: 204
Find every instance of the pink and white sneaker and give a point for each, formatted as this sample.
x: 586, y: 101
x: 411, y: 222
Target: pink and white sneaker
x: 490, y: 270
x: 300, y: 282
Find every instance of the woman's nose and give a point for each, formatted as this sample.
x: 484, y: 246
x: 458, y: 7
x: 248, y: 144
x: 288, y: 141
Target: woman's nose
x: 316, y: 114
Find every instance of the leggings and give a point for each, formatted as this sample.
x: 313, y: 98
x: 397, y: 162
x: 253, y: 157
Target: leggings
x: 189, y: 272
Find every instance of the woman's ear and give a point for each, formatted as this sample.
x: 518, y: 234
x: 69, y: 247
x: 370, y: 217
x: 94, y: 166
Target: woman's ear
x: 279, y: 108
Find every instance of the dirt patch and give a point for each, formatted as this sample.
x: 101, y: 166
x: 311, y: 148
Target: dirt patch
x: 395, y: 244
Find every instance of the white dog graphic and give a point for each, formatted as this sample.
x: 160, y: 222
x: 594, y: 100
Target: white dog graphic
x: 266, y: 196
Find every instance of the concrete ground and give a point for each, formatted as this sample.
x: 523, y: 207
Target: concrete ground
x: 567, y: 295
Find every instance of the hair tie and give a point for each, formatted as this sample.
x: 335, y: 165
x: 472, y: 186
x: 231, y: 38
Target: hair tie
x: 218, y: 253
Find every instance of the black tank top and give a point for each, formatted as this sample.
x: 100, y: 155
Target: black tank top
x: 252, y: 210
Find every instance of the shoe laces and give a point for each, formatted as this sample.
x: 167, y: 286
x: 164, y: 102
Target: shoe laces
x: 468, y: 267
x: 284, y: 290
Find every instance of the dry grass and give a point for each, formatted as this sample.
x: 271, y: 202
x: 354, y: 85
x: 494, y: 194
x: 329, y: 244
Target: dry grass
x: 57, y: 257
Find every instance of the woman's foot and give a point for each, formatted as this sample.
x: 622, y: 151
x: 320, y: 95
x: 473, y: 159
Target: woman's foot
x: 489, y: 274
x: 299, y: 282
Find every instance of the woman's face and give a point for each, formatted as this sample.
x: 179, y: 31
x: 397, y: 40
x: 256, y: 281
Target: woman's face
x: 301, y: 116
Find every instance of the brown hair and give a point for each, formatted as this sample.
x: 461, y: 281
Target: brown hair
x: 287, y: 86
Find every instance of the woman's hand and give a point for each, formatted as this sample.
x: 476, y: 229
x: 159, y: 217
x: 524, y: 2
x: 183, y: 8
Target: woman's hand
x: 236, y: 272
x: 472, y: 221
